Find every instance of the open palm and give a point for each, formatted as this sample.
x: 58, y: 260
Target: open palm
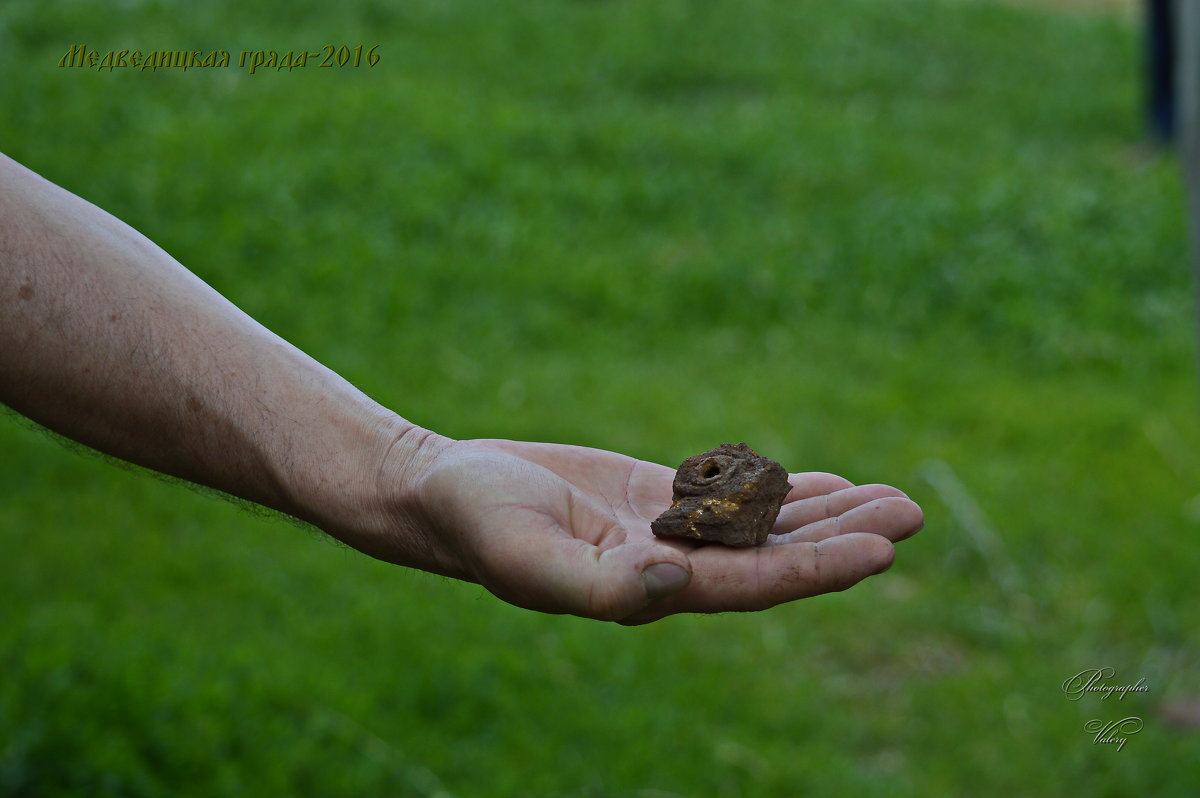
x: 566, y: 529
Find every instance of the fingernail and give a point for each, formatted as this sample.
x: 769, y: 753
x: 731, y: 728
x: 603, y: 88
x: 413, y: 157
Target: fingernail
x: 663, y: 579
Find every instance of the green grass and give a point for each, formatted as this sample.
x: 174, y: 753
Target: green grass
x: 892, y: 240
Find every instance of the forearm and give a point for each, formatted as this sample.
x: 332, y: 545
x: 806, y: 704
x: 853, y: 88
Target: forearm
x: 107, y: 340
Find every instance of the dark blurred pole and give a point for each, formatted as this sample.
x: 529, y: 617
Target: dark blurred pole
x: 1188, y: 85
x: 1160, y: 69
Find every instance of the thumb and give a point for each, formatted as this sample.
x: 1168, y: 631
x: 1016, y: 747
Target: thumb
x: 608, y: 585
x: 628, y: 577
x: 662, y: 579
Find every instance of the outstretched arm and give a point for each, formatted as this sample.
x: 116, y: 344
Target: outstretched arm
x: 108, y: 340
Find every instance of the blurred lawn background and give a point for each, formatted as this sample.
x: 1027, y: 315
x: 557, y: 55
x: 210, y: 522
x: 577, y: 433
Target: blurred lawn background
x: 910, y: 242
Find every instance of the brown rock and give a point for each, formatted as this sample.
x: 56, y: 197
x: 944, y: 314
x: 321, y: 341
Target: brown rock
x: 729, y: 495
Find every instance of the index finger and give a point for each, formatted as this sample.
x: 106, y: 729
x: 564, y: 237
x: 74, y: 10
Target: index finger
x: 745, y: 580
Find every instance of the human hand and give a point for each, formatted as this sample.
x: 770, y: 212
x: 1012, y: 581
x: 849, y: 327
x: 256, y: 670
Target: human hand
x: 107, y: 340
x: 566, y: 529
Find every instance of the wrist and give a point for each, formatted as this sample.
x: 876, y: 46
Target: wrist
x: 362, y: 482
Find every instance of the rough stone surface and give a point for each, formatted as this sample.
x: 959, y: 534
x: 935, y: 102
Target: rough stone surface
x: 729, y: 495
